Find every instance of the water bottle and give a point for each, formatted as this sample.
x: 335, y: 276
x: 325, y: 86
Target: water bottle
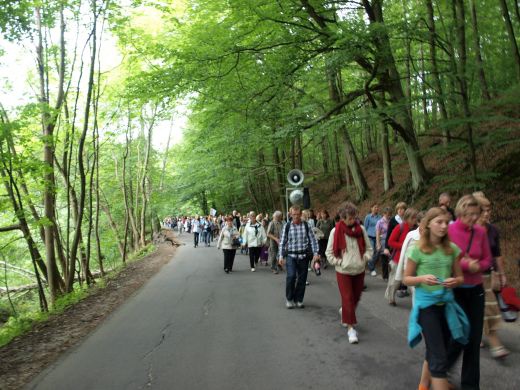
x: 317, y: 268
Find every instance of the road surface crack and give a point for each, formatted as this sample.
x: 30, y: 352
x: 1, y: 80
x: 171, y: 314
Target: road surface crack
x: 207, y: 306
x: 164, y: 334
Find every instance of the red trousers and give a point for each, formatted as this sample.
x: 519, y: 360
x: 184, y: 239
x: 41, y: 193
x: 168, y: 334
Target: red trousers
x: 350, y: 289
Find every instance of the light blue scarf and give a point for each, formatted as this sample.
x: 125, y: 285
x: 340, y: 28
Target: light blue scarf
x: 456, y: 318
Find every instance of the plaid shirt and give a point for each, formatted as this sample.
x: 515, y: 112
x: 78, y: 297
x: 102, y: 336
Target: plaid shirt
x: 297, y: 240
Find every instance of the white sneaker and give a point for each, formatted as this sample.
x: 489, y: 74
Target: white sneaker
x: 352, y: 336
x: 373, y: 273
x: 289, y: 304
x: 253, y: 270
x: 300, y: 305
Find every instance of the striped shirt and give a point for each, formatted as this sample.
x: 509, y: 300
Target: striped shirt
x: 297, y: 241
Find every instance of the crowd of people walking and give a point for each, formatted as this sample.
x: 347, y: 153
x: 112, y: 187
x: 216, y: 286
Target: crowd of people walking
x: 450, y: 261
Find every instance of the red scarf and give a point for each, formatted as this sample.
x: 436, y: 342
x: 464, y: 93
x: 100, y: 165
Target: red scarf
x: 340, y: 243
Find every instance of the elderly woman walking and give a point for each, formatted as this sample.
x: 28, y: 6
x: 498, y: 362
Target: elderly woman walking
x: 274, y: 231
x: 348, y: 250
x: 254, y: 237
x: 227, y: 241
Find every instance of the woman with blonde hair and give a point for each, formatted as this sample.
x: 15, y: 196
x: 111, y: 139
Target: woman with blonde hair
x: 476, y: 258
x: 492, y: 315
x: 433, y: 268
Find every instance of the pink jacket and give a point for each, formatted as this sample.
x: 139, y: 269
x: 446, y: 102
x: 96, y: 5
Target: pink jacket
x: 460, y: 234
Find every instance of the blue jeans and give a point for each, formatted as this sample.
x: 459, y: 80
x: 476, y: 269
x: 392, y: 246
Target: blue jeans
x: 375, y: 256
x: 297, y: 270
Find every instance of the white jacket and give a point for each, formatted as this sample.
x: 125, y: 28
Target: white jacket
x: 254, y: 237
x: 225, y: 240
x: 409, y: 242
x: 351, y: 263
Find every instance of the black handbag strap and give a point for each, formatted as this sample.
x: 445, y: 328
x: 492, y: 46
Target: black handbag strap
x: 470, y: 240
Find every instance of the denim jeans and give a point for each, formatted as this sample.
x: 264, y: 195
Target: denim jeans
x: 373, y: 261
x: 297, y: 270
x: 196, y: 239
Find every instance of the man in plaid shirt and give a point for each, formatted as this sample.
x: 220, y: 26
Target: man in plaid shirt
x: 293, y: 251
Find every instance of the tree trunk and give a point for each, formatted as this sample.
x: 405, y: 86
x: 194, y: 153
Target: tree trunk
x: 387, y: 160
x: 424, y: 93
x: 354, y: 166
x: 280, y: 181
x: 517, y: 11
x: 460, y: 18
x: 80, y: 158
x: 390, y: 80
x: 325, y: 153
x: 48, y: 125
x: 142, y: 239
x: 339, y: 174
x: 335, y: 95
x: 106, y: 209
x: 478, y: 54
x: 408, y: 54
x: 511, y: 36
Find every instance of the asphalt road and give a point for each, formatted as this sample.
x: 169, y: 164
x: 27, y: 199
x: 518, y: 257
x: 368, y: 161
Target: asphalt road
x: 194, y: 327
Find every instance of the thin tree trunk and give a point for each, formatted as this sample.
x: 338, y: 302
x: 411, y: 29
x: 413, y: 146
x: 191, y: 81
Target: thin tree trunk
x: 81, y: 166
x: 335, y: 95
x: 144, y: 205
x: 48, y: 125
x: 125, y: 193
x: 478, y: 54
x: 511, y: 36
x: 390, y: 80
x: 106, y: 209
x: 325, y: 153
x: 517, y: 11
x: 424, y: 92
x: 408, y: 75
x: 387, y: 161
x: 339, y: 174
x: 165, y: 160
x: 460, y: 18
x: 280, y: 182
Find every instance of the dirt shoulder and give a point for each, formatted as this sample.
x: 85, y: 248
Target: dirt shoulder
x: 26, y: 356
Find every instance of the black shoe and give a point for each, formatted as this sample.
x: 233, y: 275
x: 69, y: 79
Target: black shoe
x: 365, y: 287
x: 226, y: 271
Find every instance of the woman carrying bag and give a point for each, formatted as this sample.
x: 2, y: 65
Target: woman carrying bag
x: 473, y: 242
x: 229, y: 241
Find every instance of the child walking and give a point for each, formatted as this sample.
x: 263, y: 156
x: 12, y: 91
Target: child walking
x: 433, y: 268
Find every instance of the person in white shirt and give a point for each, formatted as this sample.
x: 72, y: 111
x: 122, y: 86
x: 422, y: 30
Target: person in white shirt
x: 254, y: 237
x: 196, y: 229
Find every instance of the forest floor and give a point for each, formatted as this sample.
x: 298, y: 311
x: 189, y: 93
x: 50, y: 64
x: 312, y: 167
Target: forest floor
x: 27, y: 355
